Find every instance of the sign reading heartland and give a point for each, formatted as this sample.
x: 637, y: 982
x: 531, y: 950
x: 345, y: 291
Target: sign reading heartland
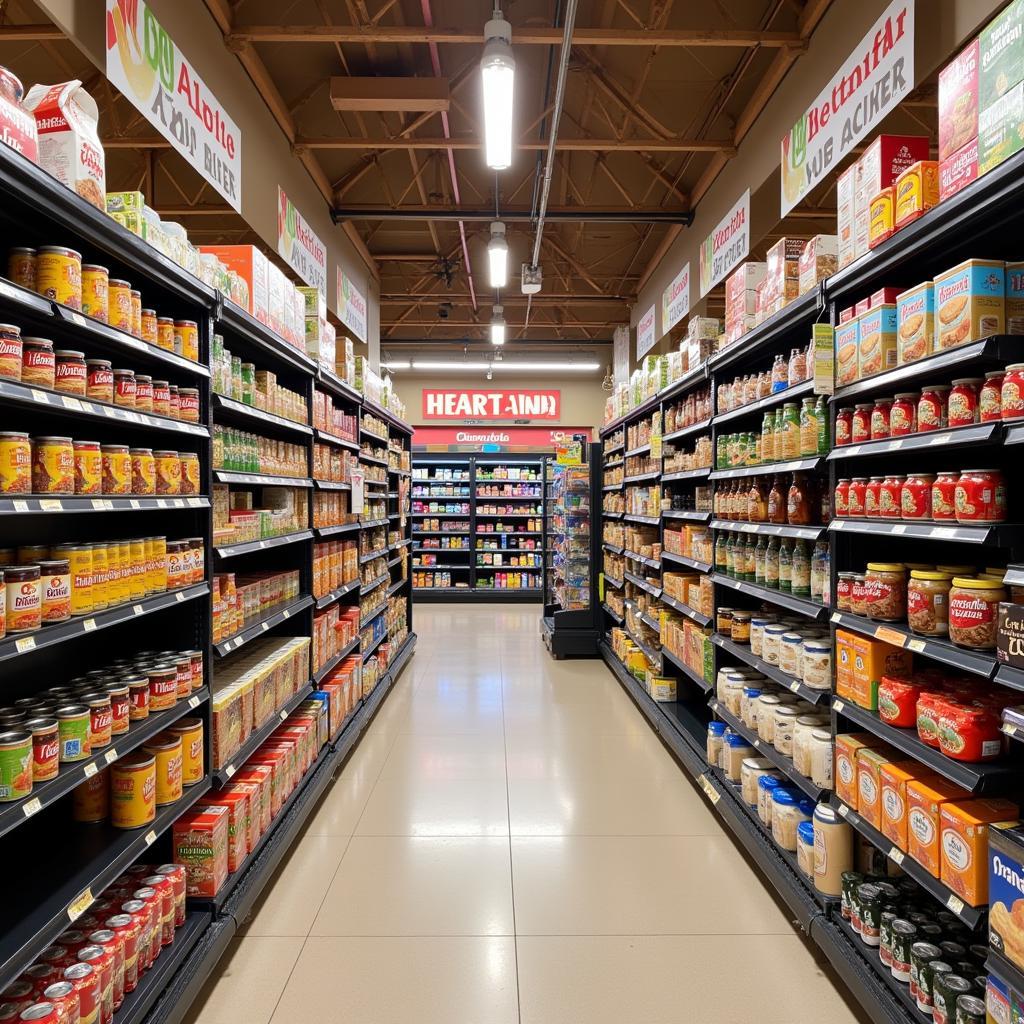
x: 147, y: 66
x: 876, y: 77
x: 490, y: 404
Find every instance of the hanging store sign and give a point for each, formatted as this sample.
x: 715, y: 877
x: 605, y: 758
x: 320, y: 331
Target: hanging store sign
x: 875, y: 79
x: 498, y: 439
x: 491, y: 404
x: 299, y: 246
x: 147, y: 66
x: 645, y: 333
x: 351, y: 306
x: 727, y: 246
x: 675, y: 300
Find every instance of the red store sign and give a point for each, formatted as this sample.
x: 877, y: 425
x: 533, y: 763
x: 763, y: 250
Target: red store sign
x: 491, y: 404
x: 494, y: 439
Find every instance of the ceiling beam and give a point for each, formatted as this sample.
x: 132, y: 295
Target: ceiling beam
x: 402, y: 94
x: 670, y: 145
x: 463, y: 299
x: 30, y: 33
x: 518, y: 214
x: 522, y: 35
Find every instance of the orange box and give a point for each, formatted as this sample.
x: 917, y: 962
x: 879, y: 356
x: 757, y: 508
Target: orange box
x: 964, y: 825
x: 894, y: 779
x: 847, y: 747
x: 253, y: 267
x: 869, y: 781
x: 844, y: 664
x: 924, y: 799
x: 873, y: 659
x: 917, y: 190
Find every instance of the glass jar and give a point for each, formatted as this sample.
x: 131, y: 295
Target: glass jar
x: 822, y: 750
x: 980, y: 496
x: 990, y: 406
x: 808, y: 428
x: 856, y: 497
x: 780, y: 374
x: 791, y: 431
x: 963, y: 402
x: 844, y: 591
x: 802, y: 729
x: 873, y: 497
x: 816, y: 664
x: 973, y: 608
x: 916, y: 496
x: 735, y: 750
x: 782, y: 731
x: 796, y: 367
x: 11, y: 352
x: 844, y: 426
x: 789, y: 653
x: 766, y: 706
x: 903, y: 415
x: 70, y: 372
x: 880, y: 419
x: 1011, y: 398
x: 789, y: 808
x: 161, y: 398
x: 771, y: 563
x: 757, y: 501
x: 841, y: 498
x: 890, y: 496
x: 928, y: 602
x: 740, y: 631
x: 805, y: 849
x: 776, y: 503
x: 932, y: 406
x: 860, y: 430
x: 800, y: 570
x: 799, y: 508
x: 886, y: 591
x: 944, y: 495
x: 38, y: 363
x: 766, y: 785
x: 858, y: 594
x: 750, y: 772
x: 99, y: 380
x: 748, y: 706
x: 758, y: 624
x: 716, y: 737
x: 125, y: 388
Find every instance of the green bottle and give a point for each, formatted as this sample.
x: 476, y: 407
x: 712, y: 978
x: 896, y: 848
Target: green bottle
x: 750, y: 561
x: 721, y: 555
x: 785, y: 566
x: 821, y: 411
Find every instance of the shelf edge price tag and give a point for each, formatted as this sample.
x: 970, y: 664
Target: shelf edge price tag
x: 193, y: 702
x: 30, y: 807
x: 111, y: 755
x: 843, y: 810
x: 229, y: 771
x: 90, y: 770
x: 890, y: 636
x: 955, y: 904
x: 89, y: 625
x: 20, y: 506
x: 179, y: 596
x: 283, y: 714
x: 80, y: 904
x: 138, y: 609
x: 896, y: 855
x: 150, y: 837
x: 26, y: 643
x: 837, y: 706
x: 917, y: 645
x: 50, y: 505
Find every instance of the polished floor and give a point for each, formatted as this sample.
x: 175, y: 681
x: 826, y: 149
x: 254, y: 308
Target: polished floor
x: 510, y: 843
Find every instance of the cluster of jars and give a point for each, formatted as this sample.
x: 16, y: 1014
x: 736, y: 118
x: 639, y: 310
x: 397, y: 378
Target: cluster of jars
x: 999, y: 395
x: 804, y: 503
x: 789, y: 432
x: 779, y: 563
x: 969, y: 496
x: 694, y: 408
x: 752, y: 387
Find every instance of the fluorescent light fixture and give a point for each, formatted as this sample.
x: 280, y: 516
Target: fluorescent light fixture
x: 498, y: 70
x: 497, y: 326
x: 497, y: 255
x: 505, y: 366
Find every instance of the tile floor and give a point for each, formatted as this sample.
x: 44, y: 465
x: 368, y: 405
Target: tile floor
x: 510, y: 843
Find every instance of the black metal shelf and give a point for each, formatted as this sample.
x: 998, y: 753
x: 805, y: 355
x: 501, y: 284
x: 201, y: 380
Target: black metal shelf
x: 380, y: 609
x: 743, y: 653
x: 382, y: 438
x: 374, y: 644
x: 611, y: 581
x: 612, y: 515
x: 446, y: 550
x: 338, y: 442
x: 789, y: 394
x: 685, y: 609
x: 440, y: 568
x: 333, y: 383
x: 686, y: 474
x: 693, y: 428
x: 227, y: 476
x: 692, y: 563
x: 405, y: 542
x: 74, y: 774
x: 38, y: 505
x: 372, y: 459
x: 638, y: 581
x: 240, y: 323
x: 55, y: 403
x: 1008, y: 676
x: 222, y: 776
x: 258, y: 419
x: 614, y: 614
x: 690, y: 514
x: 396, y: 586
x: 954, y: 437
x: 971, y: 916
x: 333, y: 531
x: 370, y: 524
x: 334, y: 595
x: 329, y: 666
x: 993, y: 534
x: 613, y: 548
x: 795, y: 604
x: 647, y: 520
x: 768, y: 468
x: 681, y: 665
x: 684, y: 383
x: 48, y: 636
x: 607, y: 488
x: 333, y: 485
x: 983, y: 779
x: 378, y: 410
x: 979, y: 663
x: 70, y: 870
x: 654, y: 563
x: 639, y: 451
x: 264, y: 625
x: 371, y: 555
x: 262, y: 545
x: 769, y: 529
x: 638, y: 477
x: 374, y: 583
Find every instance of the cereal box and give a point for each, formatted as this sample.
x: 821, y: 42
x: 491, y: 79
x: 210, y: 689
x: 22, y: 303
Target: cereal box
x: 915, y: 323
x: 969, y: 302
x: 958, y: 170
x: 252, y: 267
x: 201, y: 844
x: 924, y: 798
x: 879, y: 166
x: 1001, y: 55
x: 917, y: 190
x: 877, y: 347
x: 964, y: 865
x: 847, y: 344
x: 1006, y: 891
x: 846, y: 203
x: 819, y: 259
x: 848, y: 746
x: 999, y: 129
x: 67, y: 120
x: 782, y: 279
x: 1015, y: 298
x: 958, y: 101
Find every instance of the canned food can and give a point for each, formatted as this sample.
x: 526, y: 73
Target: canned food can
x: 163, y: 687
x: 138, y: 697
x: 87, y: 984
x: 11, y: 352
x: 165, y: 333
x: 15, y: 463
x: 127, y: 928
x: 79, y: 558
x: 100, y: 587
x: 91, y: 799
x: 133, y: 790
x: 103, y: 963
x: 88, y: 467
x: 100, y: 719
x: 53, y: 465
x: 164, y: 889
x: 21, y: 267
x: 95, y: 291
x: 45, y: 748
x: 113, y: 943
x: 120, y: 707
x: 120, y: 304
x: 157, y: 584
x: 24, y: 612
x: 15, y: 764
x: 190, y: 730
x: 55, y: 580
x: 40, y: 1013
x: 64, y: 998
x: 74, y: 724
x: 177, y: 874
x: 117, y: 469
x: 137, y: 577
x: 59, y: 275
x: 167, y: 749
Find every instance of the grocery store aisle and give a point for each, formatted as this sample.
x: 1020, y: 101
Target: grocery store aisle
x: 511, y: 843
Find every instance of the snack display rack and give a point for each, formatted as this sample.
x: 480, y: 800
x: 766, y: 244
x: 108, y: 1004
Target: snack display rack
x: 479, y: 527
x: 72, y: 863
x: 979, y: 221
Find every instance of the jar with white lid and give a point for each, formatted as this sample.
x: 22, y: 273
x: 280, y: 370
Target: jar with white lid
x: 748, y: 706
x: 716, y: 737
x: 734, y: 694
x: 771, y: 641
x: 789, y: 808
x: 766, y: 705
x: 751, y: 770
x: 757, y: 628
x: 766, y: 785
x: 735, y: 750
x: 805, y: 849
x: 782, y: 732
x: 802, y: 729
x: 833, y: 850
x: 789, y: 653
x: 816, y: 664
x: 822, y: 755
x: 730, y: 672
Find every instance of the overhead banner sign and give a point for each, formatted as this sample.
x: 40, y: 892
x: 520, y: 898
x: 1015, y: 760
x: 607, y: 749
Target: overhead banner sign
x: 675, y: 300
x: 727, y: 246
x: 299, y: 246
x: 351, y: 306
x: 491, y: 404
x: 645, y: 334
x: 498, y: 439
x: 147, y: 66
x: 875, y: 78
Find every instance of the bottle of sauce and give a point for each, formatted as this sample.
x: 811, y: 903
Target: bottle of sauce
x: 776, y: 503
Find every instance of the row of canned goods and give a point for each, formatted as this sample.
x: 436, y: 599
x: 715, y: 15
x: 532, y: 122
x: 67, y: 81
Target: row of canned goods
x: 997, y: 396
x: 85, y: 975
x: 44, y: 585
x: 64, y: 465
x: 35, y: 363
x: 968, y: 496
x: 59, y: 274
x: 72, y: 722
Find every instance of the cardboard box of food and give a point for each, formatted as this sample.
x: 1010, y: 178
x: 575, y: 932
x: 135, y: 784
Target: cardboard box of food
x: 740, y: 289
x: 1010, y: 634
x: 818, y: 260
x: 958, y: 100
x: 965, y: 858
x: 846, y: 203
x: 915, y: 323
x: 958, y: 170
x: 848, y: 747
x: 1006, y: 891
x: 999, y: 129
x: 925, y: 796
x: 878, y: 167
x: 873, y: 659
x: 1001, y: 55
x: 877, y: 340
x: 252, y: 267
x: 917, y: 191
x: 969, y: 302
x: 847, y: 351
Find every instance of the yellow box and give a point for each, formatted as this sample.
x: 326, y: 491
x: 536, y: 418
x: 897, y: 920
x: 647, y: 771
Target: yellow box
x: 925, y: 798
x: 969, y: 302
x: 894, y: 779
x: 965, y: 845
x: 848, y: 745
x: 847, y: 351
x: 917, y: 190
x: 881, y: 222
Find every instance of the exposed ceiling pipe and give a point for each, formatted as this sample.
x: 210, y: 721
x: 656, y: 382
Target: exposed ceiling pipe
x: 435, y: 61
x: 556, y: 116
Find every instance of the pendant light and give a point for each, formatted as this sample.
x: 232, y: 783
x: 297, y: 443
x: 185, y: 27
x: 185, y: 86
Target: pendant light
x: 497, y: 326
x: 498, y: 70
x: 497, y: 255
